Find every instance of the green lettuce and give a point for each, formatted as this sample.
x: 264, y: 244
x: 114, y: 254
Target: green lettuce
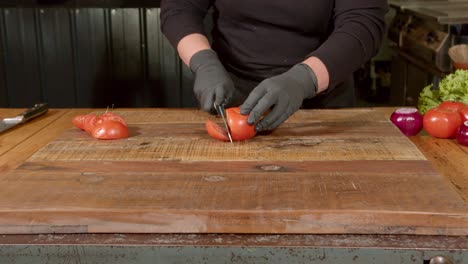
x: 428, y: 99
x: 454, y: 87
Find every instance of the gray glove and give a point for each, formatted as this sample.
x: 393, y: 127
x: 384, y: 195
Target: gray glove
x: 284, y: 92
x: 212, y: 82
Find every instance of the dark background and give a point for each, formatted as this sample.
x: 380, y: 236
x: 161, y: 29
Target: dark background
x: 97, y: 53
x: 88, y: 54
x: 80, y: 3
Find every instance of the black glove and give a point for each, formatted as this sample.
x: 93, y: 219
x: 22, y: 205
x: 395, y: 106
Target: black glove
x: 284, y: 92
x: 212, y: 82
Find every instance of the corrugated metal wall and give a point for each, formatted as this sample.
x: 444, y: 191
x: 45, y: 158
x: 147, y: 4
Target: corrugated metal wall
x: 89, y: 57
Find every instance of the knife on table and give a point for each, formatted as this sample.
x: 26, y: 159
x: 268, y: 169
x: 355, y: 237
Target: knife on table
x: 36, y: 110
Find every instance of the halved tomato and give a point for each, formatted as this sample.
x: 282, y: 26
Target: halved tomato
x: 237, y: 123
x: 215, y: 131
x: 89, y: 121
x: 109, y: 129
x: 240, y: 129
x: 78, y: 121
x: 112, y: 116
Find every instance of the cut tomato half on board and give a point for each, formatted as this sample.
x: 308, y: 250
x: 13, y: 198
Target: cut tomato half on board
x: 89, y: 121
x: 238, y: 126
x: 240, y: 129
x: 78, y: 121
x: 113, y: 117
x: 215, y: 131
x: 110, y: 129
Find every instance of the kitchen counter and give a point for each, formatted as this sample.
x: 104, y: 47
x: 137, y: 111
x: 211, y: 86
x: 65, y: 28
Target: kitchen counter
x: 31, y: 151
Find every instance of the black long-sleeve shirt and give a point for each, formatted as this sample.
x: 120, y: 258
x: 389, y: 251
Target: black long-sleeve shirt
x: 256, y: 39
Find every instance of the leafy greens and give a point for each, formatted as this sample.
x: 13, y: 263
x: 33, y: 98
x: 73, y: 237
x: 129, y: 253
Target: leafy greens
x: 454, y: 87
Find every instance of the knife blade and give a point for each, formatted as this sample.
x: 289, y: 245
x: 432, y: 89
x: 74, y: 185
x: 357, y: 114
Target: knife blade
x: 28, y: 114
x: 222, y: 112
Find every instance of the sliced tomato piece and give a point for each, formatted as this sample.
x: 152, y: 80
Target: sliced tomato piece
x: 110, y: 129
x: 215, y: 131
x: 89, y: 122
x: 78, y: 121
x: 111, y: 116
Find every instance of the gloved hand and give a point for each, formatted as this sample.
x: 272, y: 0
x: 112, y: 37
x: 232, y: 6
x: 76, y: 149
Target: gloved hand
x: 284, y: 92
x: 212, y: 82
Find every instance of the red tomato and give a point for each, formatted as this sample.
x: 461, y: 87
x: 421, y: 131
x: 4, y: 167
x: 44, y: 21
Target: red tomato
x: 110, y: 129
x: 215, y: 131
x: 451, y: 105
x: 78, y: 121
x: 237, y: 123
x: 464, y: 113
x: 89, y: 121
x: 240, y: 129
x: 441, y: 122
x: 112, y: 116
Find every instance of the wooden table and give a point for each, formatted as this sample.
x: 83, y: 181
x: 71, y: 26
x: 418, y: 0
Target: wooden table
x: 23, y: 148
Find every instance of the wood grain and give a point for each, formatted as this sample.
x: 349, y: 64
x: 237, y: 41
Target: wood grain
x: 452, y: 159
x: 324, y: 171
x: 321, y: 135
x: 448, y: 157
x: 14, y: 136
x: 26, y: 138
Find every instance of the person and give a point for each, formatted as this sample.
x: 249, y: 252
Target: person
x: 273, y: 56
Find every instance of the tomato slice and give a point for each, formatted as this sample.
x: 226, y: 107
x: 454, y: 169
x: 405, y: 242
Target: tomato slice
x: 109, y: 129
x: 215, y: 131
x: 78, y: 121
x: 104, y: 126
x: 112, y: 116
x: 89, y: 121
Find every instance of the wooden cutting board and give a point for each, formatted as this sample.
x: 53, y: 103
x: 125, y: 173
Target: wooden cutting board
x: 324, y: 171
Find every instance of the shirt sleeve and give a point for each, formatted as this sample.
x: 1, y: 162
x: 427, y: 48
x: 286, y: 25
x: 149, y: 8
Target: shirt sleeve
x: 357, y: 34
x: 180, y: 18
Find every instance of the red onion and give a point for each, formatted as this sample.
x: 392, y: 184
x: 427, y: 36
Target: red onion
x: 462, y: 134
x: 408, y: 120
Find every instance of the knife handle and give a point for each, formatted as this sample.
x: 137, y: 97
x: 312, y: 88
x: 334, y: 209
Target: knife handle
x: 36, y: 110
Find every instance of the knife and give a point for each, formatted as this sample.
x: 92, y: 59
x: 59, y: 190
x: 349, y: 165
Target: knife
x: 36, y: 110
x: 222, y: 112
